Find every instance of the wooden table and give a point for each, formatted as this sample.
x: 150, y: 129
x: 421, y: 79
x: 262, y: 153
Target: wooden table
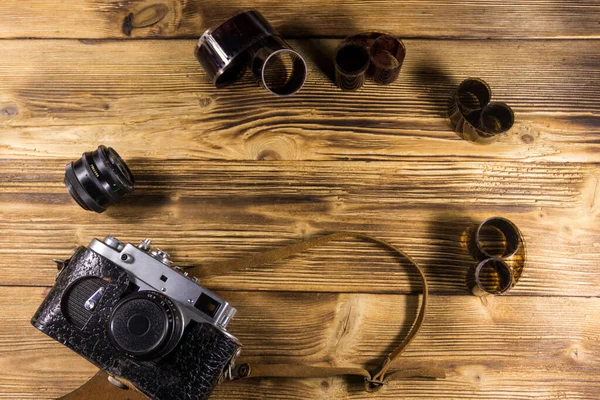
x: 224, y: 173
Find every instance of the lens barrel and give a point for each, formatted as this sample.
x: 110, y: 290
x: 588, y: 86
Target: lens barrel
x: 98, y: 179
x: 145, y: 325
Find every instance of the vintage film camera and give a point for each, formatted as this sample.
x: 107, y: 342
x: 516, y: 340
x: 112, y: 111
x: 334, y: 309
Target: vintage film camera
x: 129, y: 311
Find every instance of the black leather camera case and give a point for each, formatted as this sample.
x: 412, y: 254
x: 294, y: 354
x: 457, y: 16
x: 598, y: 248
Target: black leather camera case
x: 190, y: 371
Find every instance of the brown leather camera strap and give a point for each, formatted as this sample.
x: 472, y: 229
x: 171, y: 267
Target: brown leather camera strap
x: 99, y: 388
x: 373, y: 381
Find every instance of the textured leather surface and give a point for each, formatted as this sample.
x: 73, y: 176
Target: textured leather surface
x: 189, y: 372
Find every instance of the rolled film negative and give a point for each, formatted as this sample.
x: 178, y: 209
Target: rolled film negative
x: 280, y: 69
x: 369, y: 54
x: 497, y: 245
x: 490, y: 276
x: 497, y: 237
x: 474, y: 117
x: 351, y: 62
x: 247, y: 38
x: 496, y: 118
x: 223, y: 52
x: 472, y: 95
x: 387, y: 55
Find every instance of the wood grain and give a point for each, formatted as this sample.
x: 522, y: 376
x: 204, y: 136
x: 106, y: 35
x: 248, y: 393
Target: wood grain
x: 225, y: 173
x: 152, y: 98
x: 503, y: 347
x: 414, y: 18
x: 204, y: 211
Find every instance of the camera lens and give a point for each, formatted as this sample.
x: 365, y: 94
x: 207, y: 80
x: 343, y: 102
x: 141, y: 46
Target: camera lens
x: 98, y: 179
x: 145, y: 325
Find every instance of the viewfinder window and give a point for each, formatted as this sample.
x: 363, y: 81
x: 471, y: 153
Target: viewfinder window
x: 207, y: 305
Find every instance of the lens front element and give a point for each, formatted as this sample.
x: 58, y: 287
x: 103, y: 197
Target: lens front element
x: 145, y: 325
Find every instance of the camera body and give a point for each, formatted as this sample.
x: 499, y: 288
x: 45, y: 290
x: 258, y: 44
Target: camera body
x: 130, y: 312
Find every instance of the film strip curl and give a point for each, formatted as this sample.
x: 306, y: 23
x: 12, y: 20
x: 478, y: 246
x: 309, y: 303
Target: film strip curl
x: 248, y: 40
x: 499, y: 248
x: 475, y: 117
x: 372, y: 54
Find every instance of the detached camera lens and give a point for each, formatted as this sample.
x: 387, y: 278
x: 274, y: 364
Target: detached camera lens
x: 98, y: 179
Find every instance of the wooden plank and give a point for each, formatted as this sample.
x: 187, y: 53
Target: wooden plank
x: 205, y: 211
x: 413, y: 18
x: 503, y: 347
x: 153, y: 98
